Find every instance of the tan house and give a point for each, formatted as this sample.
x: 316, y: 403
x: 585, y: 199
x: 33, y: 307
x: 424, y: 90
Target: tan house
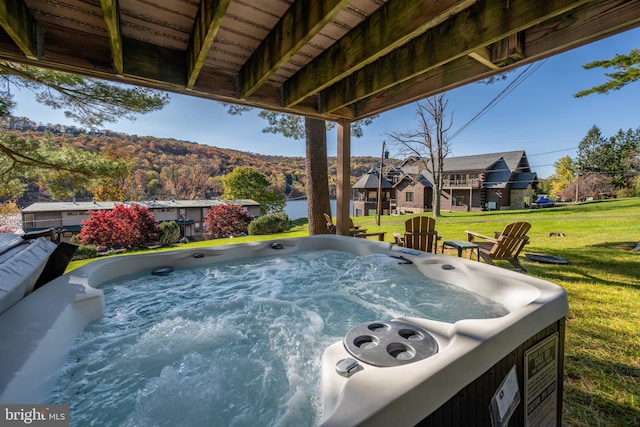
x: 67, y: 217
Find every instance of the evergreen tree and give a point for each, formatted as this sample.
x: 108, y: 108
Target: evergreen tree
x: 90, y: 102
x: 627, y: 70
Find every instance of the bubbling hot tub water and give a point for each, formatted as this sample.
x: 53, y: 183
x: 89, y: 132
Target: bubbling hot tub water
x: 241, y: 342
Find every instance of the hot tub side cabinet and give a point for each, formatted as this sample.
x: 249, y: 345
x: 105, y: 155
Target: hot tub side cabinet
x: 539, y: 364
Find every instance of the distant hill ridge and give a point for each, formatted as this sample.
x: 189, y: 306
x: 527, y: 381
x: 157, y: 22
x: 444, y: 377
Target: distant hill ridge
x: 166, y: 167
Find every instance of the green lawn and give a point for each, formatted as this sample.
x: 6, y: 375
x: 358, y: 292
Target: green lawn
x: 602, y: 355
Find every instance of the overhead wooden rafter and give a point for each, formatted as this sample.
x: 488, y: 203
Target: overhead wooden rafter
x: 208, y: 20
x: 472, y: 29
x: 18, y: 23
x: 329, y: 59
x: 111, y: 13
x: 564, y: 32
x: 300, y: 23
x: 388, y: 28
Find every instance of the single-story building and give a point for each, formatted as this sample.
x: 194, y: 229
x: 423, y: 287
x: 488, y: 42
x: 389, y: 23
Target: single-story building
x: 67, y: 217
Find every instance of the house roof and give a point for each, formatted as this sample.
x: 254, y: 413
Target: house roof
x: 330, y: 59
x: 481, y: 162
x: 371, y: 180
x: 523, y: 180
x: 501, y: 169
x: 423, y: 177
x: 153, y: 204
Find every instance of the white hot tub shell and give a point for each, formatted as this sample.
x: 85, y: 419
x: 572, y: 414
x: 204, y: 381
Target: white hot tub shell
x: 477, y: 360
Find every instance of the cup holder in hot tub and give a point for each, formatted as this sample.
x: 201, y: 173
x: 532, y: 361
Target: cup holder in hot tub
x: 389, y: 343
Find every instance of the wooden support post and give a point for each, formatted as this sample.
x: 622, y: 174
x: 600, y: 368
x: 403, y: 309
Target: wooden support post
x: 344, y: 172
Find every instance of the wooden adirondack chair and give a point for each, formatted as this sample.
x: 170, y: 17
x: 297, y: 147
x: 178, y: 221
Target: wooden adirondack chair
x: 330, y: 226
x: 505, y: 246
x: 355, y: 230
x: 419, y: 233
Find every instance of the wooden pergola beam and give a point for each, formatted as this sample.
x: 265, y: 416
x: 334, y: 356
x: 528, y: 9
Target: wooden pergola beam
x: 464, y: 33
x: 208, y: 20
x: 111, y: 14
x: 153, y: 63
x: 300, y: 23
x: 388, y: 28
x: 568, y: 31
x: 483, y: 56
x: 19, y: 24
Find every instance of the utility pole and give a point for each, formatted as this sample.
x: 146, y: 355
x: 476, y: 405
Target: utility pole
x: 379, y: 210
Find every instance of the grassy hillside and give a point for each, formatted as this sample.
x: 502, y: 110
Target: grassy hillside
x: 602, y: 356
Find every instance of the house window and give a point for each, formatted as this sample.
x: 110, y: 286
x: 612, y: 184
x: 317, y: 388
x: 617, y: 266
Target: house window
x: 474, y: 175
x: 372, y: 195
x: 408, y: 196
x: 29, y: 220
x: 459, y: 178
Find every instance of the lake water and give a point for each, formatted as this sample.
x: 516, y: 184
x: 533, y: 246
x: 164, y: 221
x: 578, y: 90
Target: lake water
x: 298, y: 208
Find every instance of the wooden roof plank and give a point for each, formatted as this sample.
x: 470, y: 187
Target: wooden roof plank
x: 206, y: 27
x: 20, y: 25
x: 111, y: 13
x: 568, y: 31
x: 150, y: 62
x: 300, y: 23
x: 482, y: 24
x: 388, y: 28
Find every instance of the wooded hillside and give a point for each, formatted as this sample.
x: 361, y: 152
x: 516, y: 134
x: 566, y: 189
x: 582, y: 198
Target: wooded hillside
x: 164, y: 168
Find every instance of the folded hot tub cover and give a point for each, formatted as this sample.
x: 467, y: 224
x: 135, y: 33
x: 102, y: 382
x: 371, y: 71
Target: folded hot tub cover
x: 546, y: 259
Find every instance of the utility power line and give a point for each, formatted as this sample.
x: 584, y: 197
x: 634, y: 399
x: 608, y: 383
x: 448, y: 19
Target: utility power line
x: 526, y: 73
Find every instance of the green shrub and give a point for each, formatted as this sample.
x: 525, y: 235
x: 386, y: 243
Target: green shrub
x: 169, y: 233
x: 184, y: 240
x: 85, y: 252
x: 269, y: 224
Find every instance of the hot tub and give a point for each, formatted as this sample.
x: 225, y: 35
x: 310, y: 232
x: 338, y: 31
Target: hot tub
x: 401, y: 371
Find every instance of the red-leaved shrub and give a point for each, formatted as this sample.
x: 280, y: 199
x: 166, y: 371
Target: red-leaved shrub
x: 123, y: 226
x: 226, y: 220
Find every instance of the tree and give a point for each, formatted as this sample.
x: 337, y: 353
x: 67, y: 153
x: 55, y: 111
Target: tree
x: 122, y: 226
x: 90, y: 102
x: 428, y: 142
x: 226, y: 220
x: 9, y: 217
x: 627, y: 147
x: 590, y: 150
x: 627, y: 71
x: 564, y: 176
x: 318, y: 202
x: 314, y: 132
x: 60, y: 169
x: 615, y: 157
x: 245, y: 182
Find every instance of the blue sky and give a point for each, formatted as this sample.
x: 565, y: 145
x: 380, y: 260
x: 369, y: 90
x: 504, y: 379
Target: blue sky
x: 540, y: 115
